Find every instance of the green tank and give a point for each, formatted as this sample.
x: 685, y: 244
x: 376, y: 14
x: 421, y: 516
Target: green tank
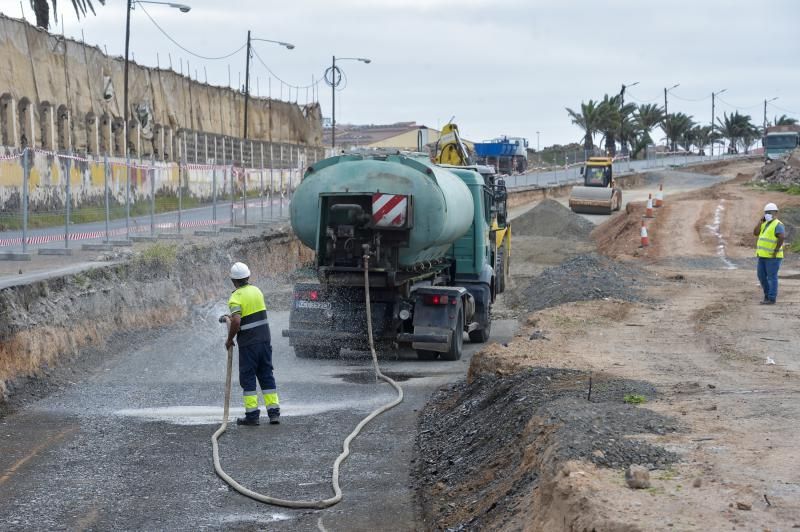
x: 440, y: 202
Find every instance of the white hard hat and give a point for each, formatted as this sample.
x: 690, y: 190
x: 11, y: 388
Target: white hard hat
x: 240, y: 271
x: 770, y: 207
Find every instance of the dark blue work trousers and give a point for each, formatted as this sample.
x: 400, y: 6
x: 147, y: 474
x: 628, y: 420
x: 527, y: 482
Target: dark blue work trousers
x: 255, y: 363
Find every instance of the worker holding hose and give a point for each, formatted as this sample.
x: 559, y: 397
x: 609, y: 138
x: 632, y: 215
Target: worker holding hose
x: 248, y: 324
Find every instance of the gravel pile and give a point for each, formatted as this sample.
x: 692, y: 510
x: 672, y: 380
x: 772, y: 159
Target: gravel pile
x: 583, y: 278
x: 781, y: 171
x: 550, y: 218
x: 480, y: 445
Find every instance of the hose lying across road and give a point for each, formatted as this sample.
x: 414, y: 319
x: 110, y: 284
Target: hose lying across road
x: 337, y: 497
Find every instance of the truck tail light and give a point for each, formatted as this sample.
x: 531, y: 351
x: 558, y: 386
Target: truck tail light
x: 311, y: 295
x: 435, y: 299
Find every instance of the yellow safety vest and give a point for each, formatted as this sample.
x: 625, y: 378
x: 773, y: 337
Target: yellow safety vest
x: 768, y: 241
x: 248, y: 302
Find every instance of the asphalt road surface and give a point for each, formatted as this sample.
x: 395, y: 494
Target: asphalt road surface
x: 128, y: 446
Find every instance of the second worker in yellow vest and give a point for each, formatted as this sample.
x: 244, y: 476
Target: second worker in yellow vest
x: 769, y: 250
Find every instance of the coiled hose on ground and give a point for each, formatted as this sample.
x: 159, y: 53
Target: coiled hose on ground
x: 337, y: 491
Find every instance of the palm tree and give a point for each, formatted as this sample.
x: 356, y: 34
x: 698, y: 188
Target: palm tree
x: 646, y: 117
x: 612, y: 117
x: 784, y: 120
x: 677, y: 126
x: 587, y: 119
x: 41, y: 8
x: 739, y: 130
x: 702, y: 136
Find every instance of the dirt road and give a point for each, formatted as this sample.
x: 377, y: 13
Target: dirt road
x: 699, y: 337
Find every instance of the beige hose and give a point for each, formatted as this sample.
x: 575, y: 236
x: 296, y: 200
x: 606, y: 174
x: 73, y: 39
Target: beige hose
x: 324, y: 503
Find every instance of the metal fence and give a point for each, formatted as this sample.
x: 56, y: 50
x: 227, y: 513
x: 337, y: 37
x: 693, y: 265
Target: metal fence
x: 52, y: 200
x: 114, y: 202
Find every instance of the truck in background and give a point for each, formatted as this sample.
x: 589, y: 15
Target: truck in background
x: 509, y: 155
x: 780, y: 140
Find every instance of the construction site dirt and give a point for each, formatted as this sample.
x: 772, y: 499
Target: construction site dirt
x: 711, y: 374
x: 656, y: 357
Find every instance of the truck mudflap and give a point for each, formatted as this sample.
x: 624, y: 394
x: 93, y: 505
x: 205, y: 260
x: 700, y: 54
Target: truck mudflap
x: 431, y: 338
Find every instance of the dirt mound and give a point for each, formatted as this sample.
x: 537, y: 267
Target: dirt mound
x: 582, y: 278
x: 471, y: 478
x: 550, y: 218
x: 781, y: 171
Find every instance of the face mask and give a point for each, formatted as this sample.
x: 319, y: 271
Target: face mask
x: 767, y: 217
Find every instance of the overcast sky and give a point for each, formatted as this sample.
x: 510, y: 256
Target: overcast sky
x: 499, y: 66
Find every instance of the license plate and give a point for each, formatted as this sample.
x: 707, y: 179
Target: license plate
x: 325, y: 305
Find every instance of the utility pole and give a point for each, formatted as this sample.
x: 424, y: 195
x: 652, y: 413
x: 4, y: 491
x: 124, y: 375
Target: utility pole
x: 125, y: 82
x: 333, y: 106
x: 714, y: 118
x: 765, y: 112
x: 246, y: 84
x: 666, y: 114
x: 622, y: 145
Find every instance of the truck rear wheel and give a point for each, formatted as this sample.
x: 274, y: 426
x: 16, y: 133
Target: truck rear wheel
x: 481, y: 336
x: 457, y: 342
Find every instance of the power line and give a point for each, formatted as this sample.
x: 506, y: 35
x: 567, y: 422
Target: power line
x: 634, y: 98
x: 784, y: 110
x: 278, y: 77
x: 689, y: 99
x: 737, y: 107
x: 179, y: 45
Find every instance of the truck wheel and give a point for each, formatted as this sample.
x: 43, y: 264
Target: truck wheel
x: 500, y: 272
x: 481, y: 336
x: 457, y: 343
x: 424, y: 354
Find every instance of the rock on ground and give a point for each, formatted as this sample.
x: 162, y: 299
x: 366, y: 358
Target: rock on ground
x: 637, y: 477
x: 550, y: 218
x: 582, y: 278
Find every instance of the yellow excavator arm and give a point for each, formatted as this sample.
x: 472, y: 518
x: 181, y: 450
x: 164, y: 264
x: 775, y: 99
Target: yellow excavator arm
x: 450, y: 149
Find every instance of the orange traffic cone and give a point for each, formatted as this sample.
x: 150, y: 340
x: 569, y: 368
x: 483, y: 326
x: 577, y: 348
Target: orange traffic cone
x: 645, y: 239
x: 660, y: 196
x: 649, y: 210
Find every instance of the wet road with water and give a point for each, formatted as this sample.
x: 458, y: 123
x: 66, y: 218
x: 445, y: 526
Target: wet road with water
x: 128, y: 447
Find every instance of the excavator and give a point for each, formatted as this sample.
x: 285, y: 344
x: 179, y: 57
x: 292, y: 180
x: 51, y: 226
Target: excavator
x: 450, y: 150
x: 599, y: 193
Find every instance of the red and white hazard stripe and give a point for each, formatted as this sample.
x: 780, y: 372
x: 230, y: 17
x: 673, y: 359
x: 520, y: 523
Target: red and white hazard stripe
x: 389, y: 210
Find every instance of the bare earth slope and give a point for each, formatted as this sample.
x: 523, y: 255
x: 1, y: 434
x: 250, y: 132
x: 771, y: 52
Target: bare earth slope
x: 696, y: 350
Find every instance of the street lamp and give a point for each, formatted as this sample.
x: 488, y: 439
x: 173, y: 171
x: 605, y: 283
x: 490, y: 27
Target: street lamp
x: 183, y: 8
x: 765, y: 112
x: 539, y: 153
x: 286, y: 45
x: 622, y: 143
x: 714, y: 118
x: 666, y: 112
x: 334, y: 81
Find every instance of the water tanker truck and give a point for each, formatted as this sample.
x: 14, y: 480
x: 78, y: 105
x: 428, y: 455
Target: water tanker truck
x: 427, y: 232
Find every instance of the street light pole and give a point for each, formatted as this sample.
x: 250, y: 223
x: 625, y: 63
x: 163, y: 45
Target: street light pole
x: 621, y: 120
x: 286, y: 45
x: 666, y: 114
x: 765, y: 112
x: 130, y: 3
x: 714, y: 117
x: 246, y: 84
x: 335, y: 79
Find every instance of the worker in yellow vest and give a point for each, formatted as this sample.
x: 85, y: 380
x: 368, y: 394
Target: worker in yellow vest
x: 769, y: 250
x: 248, y: 323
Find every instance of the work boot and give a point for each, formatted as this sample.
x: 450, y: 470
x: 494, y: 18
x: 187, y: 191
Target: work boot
x: 248, y: 421
x: 274, y: 416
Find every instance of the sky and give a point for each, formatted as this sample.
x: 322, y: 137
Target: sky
x: 500, y: 67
